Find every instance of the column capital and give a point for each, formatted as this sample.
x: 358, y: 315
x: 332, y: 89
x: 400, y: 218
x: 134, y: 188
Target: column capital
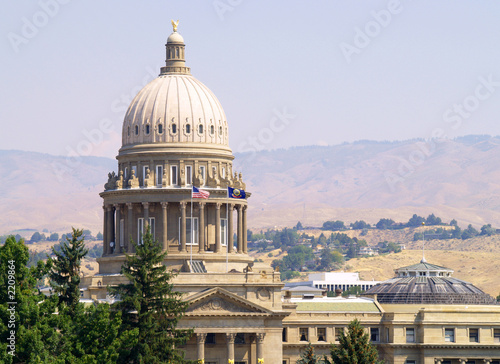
x: 260, y: 337
x: 117, y: 205
x: 487, y: 360
x: 130, y: 205
x: 230, y: 337
x: 164, y: 205
x: 438, y: 360
x: 244, y: 207
x: 201, y: 337
x: 145, y: 205
x: 183, y: 204
x: 109, y: 207
x: 462, y: 360
x: 218, y: 205
x: 202, y: 204
x: 238, y: 207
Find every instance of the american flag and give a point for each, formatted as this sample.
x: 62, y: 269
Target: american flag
x: 199, y: 193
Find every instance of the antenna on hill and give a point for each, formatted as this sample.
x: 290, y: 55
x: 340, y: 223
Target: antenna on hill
x: 423, y: 245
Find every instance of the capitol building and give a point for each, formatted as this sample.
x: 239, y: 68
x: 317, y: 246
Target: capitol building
x: 175, y: 136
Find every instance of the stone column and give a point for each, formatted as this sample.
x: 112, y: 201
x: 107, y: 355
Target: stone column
x: 110, y: 232
x: 201, y: 228
x: 230, y: 244
x: 239, y: 234
x: 146, y: 215
x: 183, y: 227
x: 217, y: 228
x: 244, y: 208
x: 487, y: 360
x: 200, y: 340
x: 129, y: 225
x: 117, y: 228
x: 164, y: 206
x: 105, y: 242
x: 260, y: 347
x: 230, y: 346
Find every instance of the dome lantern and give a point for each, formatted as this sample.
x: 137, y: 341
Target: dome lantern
x: 175, y: 47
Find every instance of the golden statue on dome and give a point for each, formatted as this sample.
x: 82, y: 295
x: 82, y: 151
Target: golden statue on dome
x: 175, y: 24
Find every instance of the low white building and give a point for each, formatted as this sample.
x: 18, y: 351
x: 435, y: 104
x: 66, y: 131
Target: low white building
x: 330, y: 281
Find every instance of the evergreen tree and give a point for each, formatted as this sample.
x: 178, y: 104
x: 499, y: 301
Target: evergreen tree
x: 150, y: 306
x: 65, y: 273
x: 308, y: 356
x: 354, y: 347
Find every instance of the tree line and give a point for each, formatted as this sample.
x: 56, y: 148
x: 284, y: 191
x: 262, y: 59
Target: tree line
x: 139, y: 327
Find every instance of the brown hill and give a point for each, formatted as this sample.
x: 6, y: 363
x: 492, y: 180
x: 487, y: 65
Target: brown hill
x: 364, y: 180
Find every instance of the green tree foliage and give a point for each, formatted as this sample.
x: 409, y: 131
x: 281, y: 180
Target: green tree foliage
x: 36, y: 237
x: 99, y: 236
x: 415, y: 221
x: 453, y: 222
x: 385, y: 224
x: 470, y: 232
x: 65, y: 273
x: 308, y: 356
x: 95, y: 251
x: 388, y: 247
x: 333, y: 225
x: 53, y: 237
x: 358, y: 225
x: 151, y: 307
x: 354, y: 347
x: 299, y: 226
x: 330, y: 260
x: 433, y: 220
x: 352, y: 291
x: 487, y: 230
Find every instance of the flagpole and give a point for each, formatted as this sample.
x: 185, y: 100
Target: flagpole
x: 192, y: 230
x: 227, y: 231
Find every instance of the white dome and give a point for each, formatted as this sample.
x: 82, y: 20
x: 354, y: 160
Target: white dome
x: 175, y: 38
x: 175, y: 108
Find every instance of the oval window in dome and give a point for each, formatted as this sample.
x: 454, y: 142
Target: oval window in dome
x: 212, y: 130
x: 174, y: 128
x: 200, y: 128
x: 136, y: 130
x: 188, y: 128
x: 147, y: 129
x: 160, y: 128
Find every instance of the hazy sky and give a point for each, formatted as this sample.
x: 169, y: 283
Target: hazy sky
x: 338, y: 70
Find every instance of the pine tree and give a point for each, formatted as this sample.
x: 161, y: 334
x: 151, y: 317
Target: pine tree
x: 65, y: 273
x: 308, y: 356
x: 354, y: 347
x: 151, y: 306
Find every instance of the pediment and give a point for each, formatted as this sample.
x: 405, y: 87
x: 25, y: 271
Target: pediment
x: 218, y: 301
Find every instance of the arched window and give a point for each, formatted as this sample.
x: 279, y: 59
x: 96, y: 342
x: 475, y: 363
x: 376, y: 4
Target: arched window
x: 220, y: 130
x: 136, y: 130
x: 160, y: 128
x: 128, y: 131
x: 174, y: 128
x: 147, y: 129
x: 200, y: 128
x: 212, y: 130
x: 188, y: 128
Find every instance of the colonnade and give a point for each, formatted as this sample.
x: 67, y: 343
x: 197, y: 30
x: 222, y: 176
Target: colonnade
x: 230, y: 339
x: 120, y: 222
x: 464, y: 360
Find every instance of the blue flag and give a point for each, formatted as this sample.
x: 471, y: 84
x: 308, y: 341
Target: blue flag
x: 236, y: 193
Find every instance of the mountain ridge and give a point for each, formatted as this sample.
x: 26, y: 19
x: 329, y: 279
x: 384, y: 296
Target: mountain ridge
x: 367, y: 180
